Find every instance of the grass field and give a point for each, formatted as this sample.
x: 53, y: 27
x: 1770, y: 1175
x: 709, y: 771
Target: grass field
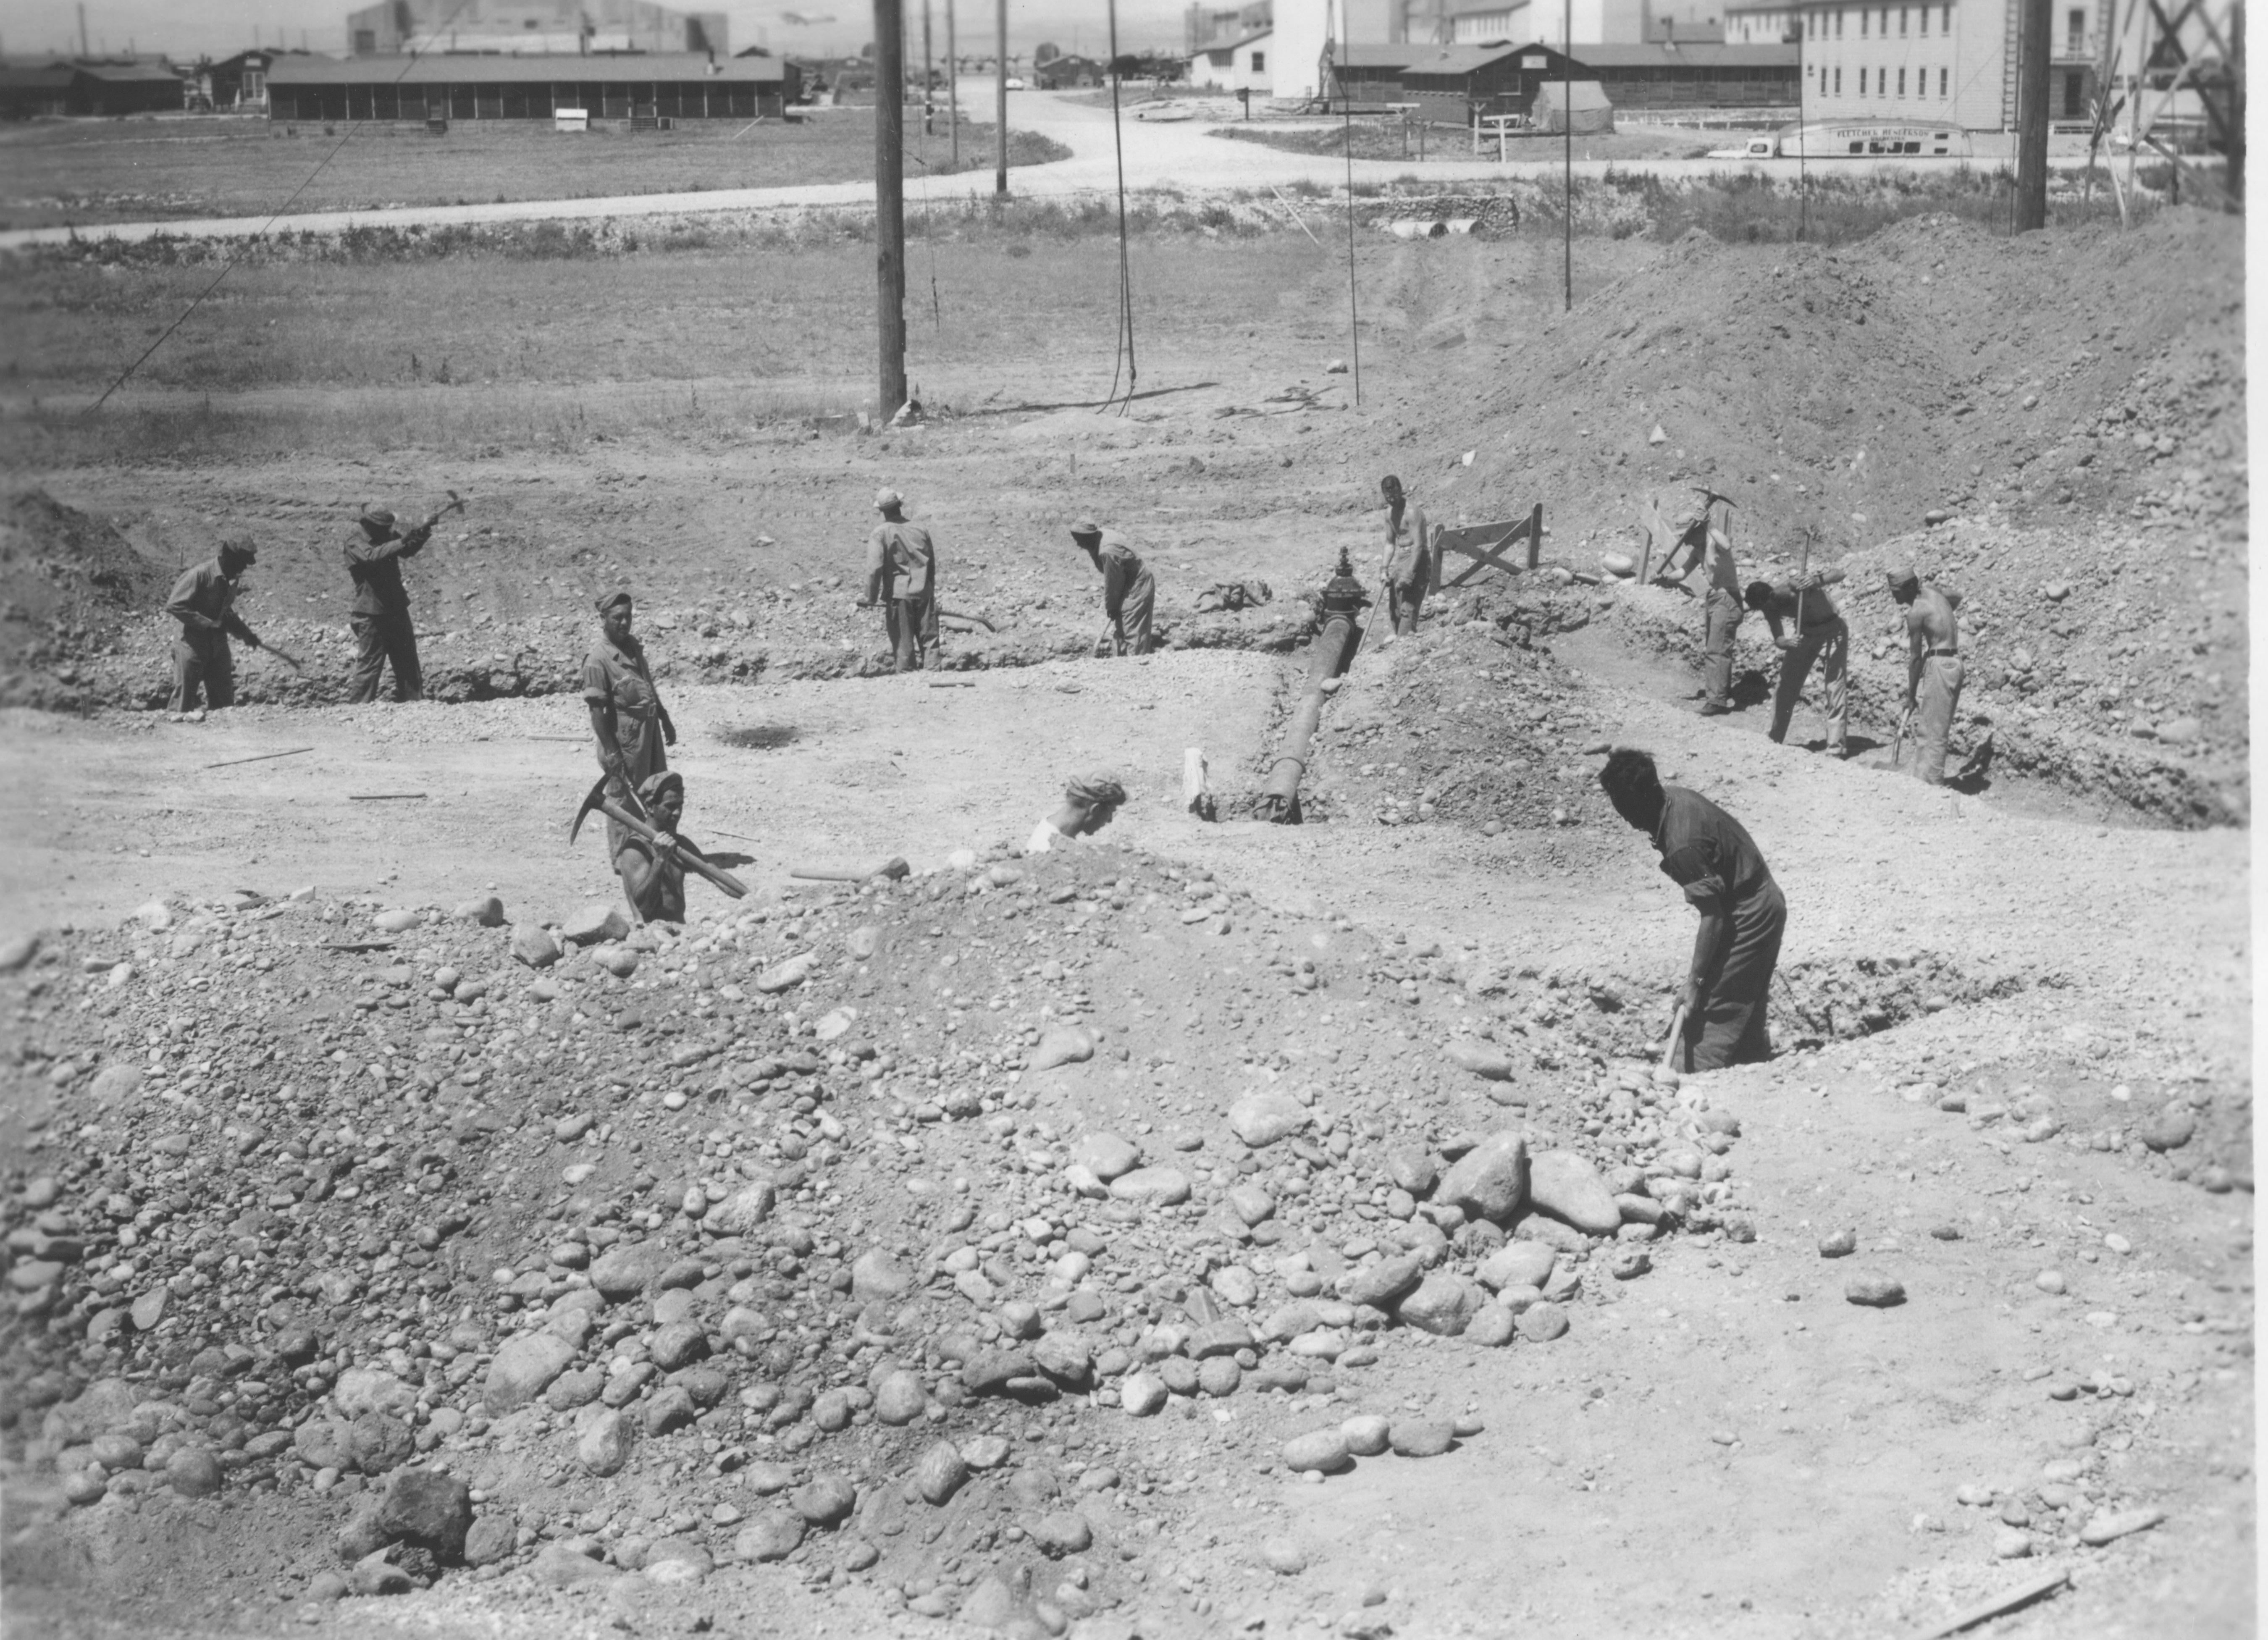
x: 1390, y: 139
x: 143, y: 169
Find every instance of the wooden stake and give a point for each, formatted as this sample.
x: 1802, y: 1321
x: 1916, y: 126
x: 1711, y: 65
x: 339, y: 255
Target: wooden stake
x: 2022, y: 1594
x: 262, y: 758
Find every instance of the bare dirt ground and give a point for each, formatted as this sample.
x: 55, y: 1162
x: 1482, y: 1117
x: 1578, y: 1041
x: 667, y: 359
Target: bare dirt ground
x: 2016, y: 1063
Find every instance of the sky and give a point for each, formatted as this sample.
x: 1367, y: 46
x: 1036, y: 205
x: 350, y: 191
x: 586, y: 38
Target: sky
x: 191, y: 29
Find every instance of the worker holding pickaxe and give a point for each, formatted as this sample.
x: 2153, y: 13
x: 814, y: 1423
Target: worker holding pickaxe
x: 1720, y: 606
x: 651, y: 857
x: 204, y: 602
x: 1933, y: 671
x: 1129, y: 592
x: 380, y: 613
x: 630, y: 724
x: 1816, y: 632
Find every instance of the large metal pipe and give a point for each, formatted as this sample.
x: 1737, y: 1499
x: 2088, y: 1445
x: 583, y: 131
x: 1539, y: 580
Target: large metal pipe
x: 1327, y: 656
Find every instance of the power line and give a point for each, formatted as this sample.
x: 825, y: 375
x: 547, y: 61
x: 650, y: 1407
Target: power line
x: 230, y: 266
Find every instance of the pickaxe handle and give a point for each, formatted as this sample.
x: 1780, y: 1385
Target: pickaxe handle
x: 285, y: 656
x: 683, y: 856
x: 955, y: 615
x: 456, y: 505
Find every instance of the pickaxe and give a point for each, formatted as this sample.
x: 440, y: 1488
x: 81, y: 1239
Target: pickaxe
x: 596, y: 797
x: 456, y: 505
x: 955, y: 615
x: 683, y: 853
x: 285, y: 656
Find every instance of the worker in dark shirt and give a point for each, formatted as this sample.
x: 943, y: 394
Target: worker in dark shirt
x: 204, y: 602
x: 1710, y: 855
x: 1815, y: 631
x: 381, y: 611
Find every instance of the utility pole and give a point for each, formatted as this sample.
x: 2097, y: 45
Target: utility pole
x: 2032, y: 42
x: 1000, y: 99
x: 82, y: 29
x: 952, y: 82
x: 890, y: 204
x: 929, y: 75
x: 1567, y: 124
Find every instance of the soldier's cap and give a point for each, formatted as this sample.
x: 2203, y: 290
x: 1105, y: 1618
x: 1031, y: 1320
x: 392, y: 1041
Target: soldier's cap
x: 653, y: 786
x: 613, y: 599
x: 884, y: 499
x: 380, y: 516
x: 242, y: 551
x: 1901, y: 576
x: 1086, y: 526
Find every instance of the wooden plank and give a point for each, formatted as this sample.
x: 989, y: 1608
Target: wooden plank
x: 1484, y: 544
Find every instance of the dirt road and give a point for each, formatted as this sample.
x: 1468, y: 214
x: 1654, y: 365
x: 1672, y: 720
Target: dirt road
x: 1181, y: 156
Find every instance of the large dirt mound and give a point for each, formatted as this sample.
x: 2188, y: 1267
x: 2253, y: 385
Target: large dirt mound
x: 786, y: 1237
x: 67, y: 583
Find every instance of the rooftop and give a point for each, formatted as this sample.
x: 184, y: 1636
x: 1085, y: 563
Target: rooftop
x: 467, y: 69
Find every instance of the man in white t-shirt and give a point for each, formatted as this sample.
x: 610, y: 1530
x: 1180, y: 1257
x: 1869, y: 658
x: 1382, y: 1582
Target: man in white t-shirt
x: 1090, y: 803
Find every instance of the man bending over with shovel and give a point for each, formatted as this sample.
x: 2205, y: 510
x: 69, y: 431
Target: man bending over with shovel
x: 1710, y: 854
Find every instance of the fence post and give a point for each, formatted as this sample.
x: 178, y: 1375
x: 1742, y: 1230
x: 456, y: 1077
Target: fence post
x: 1534, y: 535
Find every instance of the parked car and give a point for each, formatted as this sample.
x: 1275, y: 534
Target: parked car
x: 1014, y: 83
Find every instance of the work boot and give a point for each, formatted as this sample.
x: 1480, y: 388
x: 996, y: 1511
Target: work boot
x: 1712, y: 709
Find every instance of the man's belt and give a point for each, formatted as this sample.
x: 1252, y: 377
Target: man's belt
x: 1932, y: 652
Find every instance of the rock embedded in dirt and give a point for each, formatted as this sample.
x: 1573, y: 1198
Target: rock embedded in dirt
x: 600, y: 920
x: 1441, y: 1305
x: 1283, y: 1556
x: 1251, y: 1204
x: 1491, y: 1064
x: 429, y: 1508
x: 1421, y: 1437
x: 604, y: 1446
x: 524, y: 1368
x: 192, y: 1472
x: 2169, y: 1130
x: 1064, y: 1531
x: 1141, y: 1394
x: 1878, y: 1292
x: 1065, y: 1045
x: 825, y: 1500
x: 1539, y: 1323
x: 1266, y: 1118
x: 1411, y: 1170
x: 1153, y: 1187
x: 900, y: 1398
x: 1517, y: 1264
x: 1491, y: 1326
x: 484, y: 911
x: 1366, y: 1434
x: 1321, y: 1451
x: 1383, y: 1284
x: 1489, y: 1180
x: 787, y: 975
x: 1839, y: 1244
x: 773, y: 1535
x: 1567, y: 1186
x: 2110, y: 1526
x: 940, y: 1473
x: 532, y: 945
x: 1106, y: 1154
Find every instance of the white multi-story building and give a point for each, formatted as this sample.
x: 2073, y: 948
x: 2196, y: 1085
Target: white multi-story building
x: 1949, y: 60
x: 1304, y: 26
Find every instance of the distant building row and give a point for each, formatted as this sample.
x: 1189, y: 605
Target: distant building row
x: 668, y: 86
x: 1951, y: 60
x: 532, y: 27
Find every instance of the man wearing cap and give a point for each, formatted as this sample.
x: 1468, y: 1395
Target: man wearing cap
x: 1408, y: 566
x: 627, y: 717
x: 380, y: 613
x: 1720, y: 611
x: 901, y: 577
x: 652, y: 879
x: 1090, y: 803
x: 1130, y: 594
x: 1816, y: 632
x: 1710, y: 855
x: 203, y: 600
x: 1933, y: 671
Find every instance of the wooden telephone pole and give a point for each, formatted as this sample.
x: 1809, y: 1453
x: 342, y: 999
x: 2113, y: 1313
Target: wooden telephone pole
x: 2036, y: 23
x: 890, y: 204
x: 1000, y: 100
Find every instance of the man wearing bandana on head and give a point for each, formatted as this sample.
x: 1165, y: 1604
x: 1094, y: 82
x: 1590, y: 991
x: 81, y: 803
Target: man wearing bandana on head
x: 651, y: 876
x: 380, y: 613
x: 627, y: 717
x: 1090, y: 803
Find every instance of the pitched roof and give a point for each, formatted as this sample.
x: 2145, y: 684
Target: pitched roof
x: 1420, y: 58
x: 129, y: 73
x: 1697, y: 55
x: 635, y: 67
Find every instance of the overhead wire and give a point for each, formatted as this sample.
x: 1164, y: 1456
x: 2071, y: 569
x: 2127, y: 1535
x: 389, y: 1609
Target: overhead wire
x: 1125, y: 350
x: 230, y: 266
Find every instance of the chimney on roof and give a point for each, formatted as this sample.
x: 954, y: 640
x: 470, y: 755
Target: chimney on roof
x: 1670, y: 33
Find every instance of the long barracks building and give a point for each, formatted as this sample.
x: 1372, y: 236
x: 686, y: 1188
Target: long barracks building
x: 669, y: 86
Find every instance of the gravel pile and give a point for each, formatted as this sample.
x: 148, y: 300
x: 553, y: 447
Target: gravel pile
x: 891, y: 1233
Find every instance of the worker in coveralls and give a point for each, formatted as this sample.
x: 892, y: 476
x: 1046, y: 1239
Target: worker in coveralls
x: 901, y: 577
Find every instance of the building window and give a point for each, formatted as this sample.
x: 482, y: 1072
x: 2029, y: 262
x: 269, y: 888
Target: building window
x: 1945, y: 20
x: 1902, y: 82
x: 1862, y: 24
x: 1923, y: 19
x: 1838, y: 82
x: 1901, y: 22
x: 2075, y: 26
x: 1944, y: 78
x: 1259, y: 62
x: 1838, y: 25
x: 1862, y: 82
